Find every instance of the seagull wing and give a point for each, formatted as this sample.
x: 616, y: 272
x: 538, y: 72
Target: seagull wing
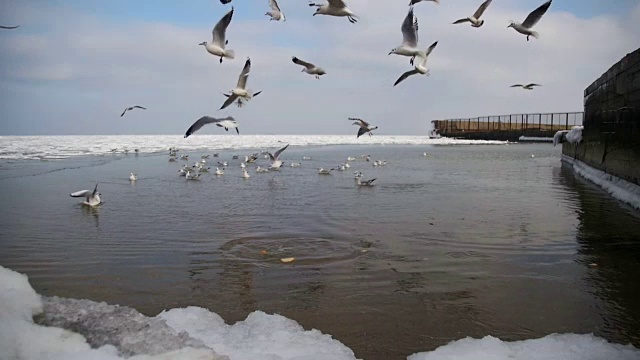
x: 461, y: 21
x: 532, y: 84
x: 229, y: 101
x: 481, y: 9
x: 362, y: 122
x: 303, y: 63
x: 339, y: 4
x: 362, y: 131
x: 9, y: 27
x: 95, y: 191
x: 140, y: 107
x: 277, y: 154
x: 430, y: 49
x: 244, y: 74
x: 536, y: 14
x: 81, y: 193
x: 405, y: 75
x: 516, y: 85
x: 410, y: 29
x: 202, y: 122
x: 219, y: 31
x: 274, y: 5
x: 125, y: 110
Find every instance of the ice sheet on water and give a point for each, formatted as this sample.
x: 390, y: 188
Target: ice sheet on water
x: 57, y: 147
x: 99, y: 331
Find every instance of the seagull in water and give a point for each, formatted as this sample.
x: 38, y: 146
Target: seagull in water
x: 335, y: 8
x: 364, y: 127
x: 421, y: 68
x: 9, y: 27
x: 218, y: 43
x: 275, y: 12
x: 413, y: 2
x: 530, y: 21
x: 309, y: 68
x: 526, y: 87
x: 475, y: 19
x: 409, y: 38
x: 275, y: 163
x: 92, y: 198
x: 240, y: 92
x: 133, y: 176
x: 226, y: 123
x: 131, y: 108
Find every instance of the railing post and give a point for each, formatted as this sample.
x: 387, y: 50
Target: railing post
x: 566, y: 124
x: 510, y: 121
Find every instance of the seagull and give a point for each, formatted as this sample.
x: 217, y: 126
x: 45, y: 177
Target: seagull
x: 245, y: 174
x: 335, y: 8
x: 240, y: 92
x: 527, y: 87
x: 530, y: 21
x: 409, y: 38
x: 360, y: 182
x: 309, y: 68
x: 413, y: 2
x: 323, y: 171
x: 190, y: 176
x: 9, y: 27
x: 475, y: 19
x: 275, y: 12
x: 92, y: 198
x: 218, y: 42
x: 226, y: 123
x: 275, y: 163
x: 219, y: 171
x: 364, y: 127
x: 421, y: 68
x: 225, y: 2
x: 133, y: 177
x: 131, y: 108
x: 560, y: 137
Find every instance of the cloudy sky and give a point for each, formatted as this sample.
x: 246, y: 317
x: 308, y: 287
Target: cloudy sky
x: 73, y: 65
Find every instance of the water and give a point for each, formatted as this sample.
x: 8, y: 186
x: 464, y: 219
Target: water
x: 471, y: 240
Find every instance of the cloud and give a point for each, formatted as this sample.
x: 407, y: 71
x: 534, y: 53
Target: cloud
x: 72, y: 72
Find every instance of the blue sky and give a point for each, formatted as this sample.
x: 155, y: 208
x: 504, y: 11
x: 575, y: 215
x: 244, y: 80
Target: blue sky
x: 74, y: 65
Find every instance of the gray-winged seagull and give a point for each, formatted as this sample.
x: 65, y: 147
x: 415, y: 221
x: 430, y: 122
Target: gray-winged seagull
x: 335, y: 8
x: 364, y: 126
x: 475, y: 18
x: 240, y: 92
x: 218, y: 43
x: 530, y: 21
x: 226, y: 123
x: 275, y: 13
x: 309, y: 68
x: 92, y: 198
x: 421, y: 68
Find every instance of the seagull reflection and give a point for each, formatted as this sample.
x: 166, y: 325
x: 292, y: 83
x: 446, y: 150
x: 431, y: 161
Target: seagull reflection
x: 92, y: 211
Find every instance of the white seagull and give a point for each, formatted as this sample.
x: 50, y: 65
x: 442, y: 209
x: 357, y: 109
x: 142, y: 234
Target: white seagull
x: 364, y: 126
x: 133, y: 177
x: 475, y: 19
x: 413, y: 2
x: 530, y: 21
x: 226, y: 123
x: 275, y: 12
x: 526, y: 87
x: 560, y: 137
x: 323, y: 171
x: 218, y: 43
x: 309, y: 68
x: 421, y: 68
x: 131, y: 108
x: 275, y: 163
x: 335, y: 8
x: 92, y: 198
x: 240, y: 91
x: 409, y: 44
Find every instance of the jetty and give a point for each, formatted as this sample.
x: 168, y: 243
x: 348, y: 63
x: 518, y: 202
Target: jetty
x: 511, y: 127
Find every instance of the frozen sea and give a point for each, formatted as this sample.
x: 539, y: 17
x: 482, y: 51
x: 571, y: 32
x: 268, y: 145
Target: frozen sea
x: 477, y: 250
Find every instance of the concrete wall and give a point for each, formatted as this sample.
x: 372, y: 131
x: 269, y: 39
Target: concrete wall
x: 611, y: 135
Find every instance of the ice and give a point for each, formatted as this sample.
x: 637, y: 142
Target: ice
x: 618, y: 188
x: 259, y: 336
x: 550, y: 347
x: 60, y: 147
x: 83, y: 329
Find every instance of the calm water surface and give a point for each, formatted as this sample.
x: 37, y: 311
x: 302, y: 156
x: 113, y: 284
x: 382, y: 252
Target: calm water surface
x: 468, y: 241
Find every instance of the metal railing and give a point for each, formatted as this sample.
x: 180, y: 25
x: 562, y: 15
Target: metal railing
x: 542, y: 122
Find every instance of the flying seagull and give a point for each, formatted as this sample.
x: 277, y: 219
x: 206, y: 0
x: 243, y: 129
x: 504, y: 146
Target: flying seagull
x: 275, y: 162
x: 527, y: 87
x: 275, y: 12
x: 226, y: 123
x: 9, y: 27
x: 421, y: 68
x: 530, y: 21
x: 335, y: 8
x: 364, y: 126
x: 413, y: 2
x: 218, y: 43
x: 225, y: 2
x: 560, y: 137
x: 309, y: 68
x: 409, y: 38
x: 240, y: 92
x: 131, y: 108
x: 475, y: 19
x: 92, y: 198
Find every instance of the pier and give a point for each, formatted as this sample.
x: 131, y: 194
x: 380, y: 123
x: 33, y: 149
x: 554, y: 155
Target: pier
x: 510, y: 127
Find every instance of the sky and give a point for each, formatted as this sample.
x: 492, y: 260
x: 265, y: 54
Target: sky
x: 74, y: 65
